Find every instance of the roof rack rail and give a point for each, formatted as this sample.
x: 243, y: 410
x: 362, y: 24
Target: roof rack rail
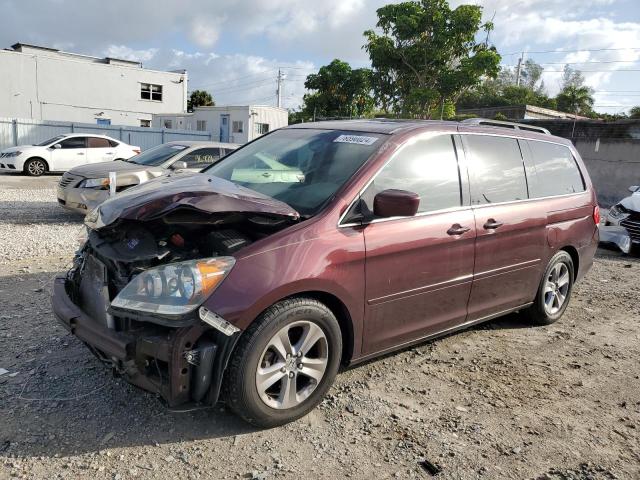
x: 502, y: 124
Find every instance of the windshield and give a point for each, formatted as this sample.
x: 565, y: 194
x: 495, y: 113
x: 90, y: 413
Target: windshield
x: 157, y: 155
x: 301, y: 167
x: 51, y: 140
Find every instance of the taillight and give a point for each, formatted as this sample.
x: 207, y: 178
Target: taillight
x: 137, y: 150
x: 596, y: 215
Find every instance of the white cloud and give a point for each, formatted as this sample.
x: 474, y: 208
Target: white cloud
x: 125, y: 53
x: 205, y: 31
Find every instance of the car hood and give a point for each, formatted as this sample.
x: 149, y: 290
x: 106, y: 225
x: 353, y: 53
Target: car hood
x: 192, y: 191
x: 102, y: 169
x: 632, y: 202
x: 19, y: 148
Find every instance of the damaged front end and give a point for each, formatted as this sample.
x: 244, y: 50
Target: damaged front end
x: 134, y: 294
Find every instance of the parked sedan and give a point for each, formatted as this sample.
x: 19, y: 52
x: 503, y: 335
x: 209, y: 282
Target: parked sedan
x: 83, y: 188
x: 626, y: 214
x: 64, y: 152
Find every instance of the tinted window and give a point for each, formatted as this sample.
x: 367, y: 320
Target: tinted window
x: 96, y: 142
x: 496, y: 168
x: 428, y: 167
x: 556, y: 171
x: 113, y: 143
x: 74, y: 142
x: 202, y: 157
x: 157, y: 155
x: 306, y: 166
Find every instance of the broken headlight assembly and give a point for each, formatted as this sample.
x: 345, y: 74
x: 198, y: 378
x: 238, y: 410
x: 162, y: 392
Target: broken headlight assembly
x: 618, y: 211
x: 176, y: 288
x: 98, y: 183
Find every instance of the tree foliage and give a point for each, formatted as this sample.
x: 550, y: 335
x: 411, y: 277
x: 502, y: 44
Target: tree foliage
x: 575, y: 99
x: 337, y: 90
x: 426, y: 55
x: 634, y: 112
x: 199, y: 98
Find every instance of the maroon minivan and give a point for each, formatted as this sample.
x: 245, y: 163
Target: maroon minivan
x: 325, y: 244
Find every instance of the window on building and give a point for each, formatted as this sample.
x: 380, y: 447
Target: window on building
x: 97, y: 142
x: 497, y: 170
x: 103, y: 121
x: 145, y: 123
x: 555, y: 171
x: 201, y: 125
x: 261, y: 128
x: 74, y: 142
x: 203, y: 157
x: 150, y: 91
x: 167, y: 123
x: 238, y: 126
x: 427, y: 167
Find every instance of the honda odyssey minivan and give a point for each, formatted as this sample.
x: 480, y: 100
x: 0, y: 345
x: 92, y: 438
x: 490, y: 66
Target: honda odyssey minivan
x: 217, y: 285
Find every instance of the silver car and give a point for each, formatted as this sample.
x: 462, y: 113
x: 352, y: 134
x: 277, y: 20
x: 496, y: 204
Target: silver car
x: 83, y: 188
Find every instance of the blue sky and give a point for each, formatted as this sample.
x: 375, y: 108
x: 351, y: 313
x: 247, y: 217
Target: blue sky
x: 233, y: 48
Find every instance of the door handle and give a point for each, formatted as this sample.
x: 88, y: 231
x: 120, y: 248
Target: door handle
x: 265, y: 174
x: 80, y: 153
x: 492, y: 224
x: 457, y: 229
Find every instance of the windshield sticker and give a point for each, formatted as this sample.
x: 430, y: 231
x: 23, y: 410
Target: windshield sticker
x: 357, y: 139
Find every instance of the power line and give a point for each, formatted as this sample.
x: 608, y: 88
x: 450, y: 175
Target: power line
x: 245, y: 77
x: 573, y: 51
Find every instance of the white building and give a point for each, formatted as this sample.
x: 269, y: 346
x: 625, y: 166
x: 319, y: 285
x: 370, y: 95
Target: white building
x: 234, y: 124
x: 47, y: 84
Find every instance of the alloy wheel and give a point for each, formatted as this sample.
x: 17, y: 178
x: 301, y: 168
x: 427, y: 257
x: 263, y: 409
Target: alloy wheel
x: 36, y: 168
x: 556, y: 288
x: 292, y: 365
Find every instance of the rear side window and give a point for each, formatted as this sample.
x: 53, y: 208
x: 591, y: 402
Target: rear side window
x: 555, y: 169
x: 203, y: 157
x: 428, y: 167
x: 97, y: 142
x: 496, y: 169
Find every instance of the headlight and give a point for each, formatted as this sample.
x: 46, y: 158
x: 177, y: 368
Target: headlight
x: 617, y: 211
x: 13, y: 154
x: 176, y: 288
x: 94, y: 182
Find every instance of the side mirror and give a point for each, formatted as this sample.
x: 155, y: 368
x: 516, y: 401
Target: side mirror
x: 178, y: 165
x: 395, y: 203
x: 57, y: 145
x: 634, y: 188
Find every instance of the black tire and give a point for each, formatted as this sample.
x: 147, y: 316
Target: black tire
x: 35, y: 167
x: 539, y: 313
x: 240, y: 384
x: 118, y: 159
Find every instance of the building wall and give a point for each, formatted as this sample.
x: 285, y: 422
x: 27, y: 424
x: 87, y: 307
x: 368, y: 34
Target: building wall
x: 67, y: 87
x: 249, y: 115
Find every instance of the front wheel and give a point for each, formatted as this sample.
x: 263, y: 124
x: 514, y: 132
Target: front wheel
x: 284, y: 363
x: 554, y: 291
x: 35, y: 167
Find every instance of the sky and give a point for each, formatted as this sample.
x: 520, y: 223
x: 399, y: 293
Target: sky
x: 234, y: 48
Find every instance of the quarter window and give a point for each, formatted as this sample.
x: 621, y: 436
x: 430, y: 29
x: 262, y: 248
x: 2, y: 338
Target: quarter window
x: 496, y: 168
x: 555, y: 170
x: 428, y: 167
x: 150, y: 91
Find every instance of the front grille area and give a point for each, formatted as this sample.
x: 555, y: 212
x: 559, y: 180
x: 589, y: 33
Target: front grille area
x: 69, y: 180
x: 632, y: 224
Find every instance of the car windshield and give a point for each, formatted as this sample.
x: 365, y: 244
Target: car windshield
x: 300, y: 167
x: 157, y: 155
x: 49, y: 141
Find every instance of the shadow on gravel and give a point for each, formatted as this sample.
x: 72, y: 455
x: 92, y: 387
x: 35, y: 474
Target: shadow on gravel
x: 57, y: 399
x: 24, y: 213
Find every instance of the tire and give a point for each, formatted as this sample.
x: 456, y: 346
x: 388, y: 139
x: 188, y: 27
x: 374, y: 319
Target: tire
x: 553, y: 294
x: 118, y: 159
x: 255, y: 354
x: 35, y: 167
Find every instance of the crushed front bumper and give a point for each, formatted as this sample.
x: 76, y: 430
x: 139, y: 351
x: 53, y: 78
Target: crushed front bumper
x: 181, y: 365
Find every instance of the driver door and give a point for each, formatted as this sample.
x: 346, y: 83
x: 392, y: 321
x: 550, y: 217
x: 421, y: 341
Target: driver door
x: 71, y: 153
x: 419, y: 269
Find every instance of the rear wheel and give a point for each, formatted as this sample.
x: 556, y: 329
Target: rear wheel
x: 554, y: 291
x: 284, y: 363
x: 34, y: 167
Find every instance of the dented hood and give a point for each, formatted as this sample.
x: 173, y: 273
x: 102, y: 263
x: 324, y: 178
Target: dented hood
x: 195, y: 191
x: 632, y: 202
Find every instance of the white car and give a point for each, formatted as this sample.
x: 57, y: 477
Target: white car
x: 61, y: 153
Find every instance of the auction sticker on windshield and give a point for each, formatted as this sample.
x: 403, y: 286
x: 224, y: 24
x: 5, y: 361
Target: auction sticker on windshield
x: 357, y: 139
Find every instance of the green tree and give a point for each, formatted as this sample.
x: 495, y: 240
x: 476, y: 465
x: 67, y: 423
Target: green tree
x: 577, y: 100
x: 426, y: 55
x: 634, y: 112
x: 199, y: 98
x: 572, y: 78
x: 337, y: 90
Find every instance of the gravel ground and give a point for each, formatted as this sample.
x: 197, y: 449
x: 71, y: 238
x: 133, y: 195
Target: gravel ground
x: 498, y: 401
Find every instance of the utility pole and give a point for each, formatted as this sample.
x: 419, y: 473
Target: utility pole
x: 519, y: 69
x: 279, y: 89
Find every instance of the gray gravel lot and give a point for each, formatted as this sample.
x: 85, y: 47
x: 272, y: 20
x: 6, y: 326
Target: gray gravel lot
x: 502, y: 400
